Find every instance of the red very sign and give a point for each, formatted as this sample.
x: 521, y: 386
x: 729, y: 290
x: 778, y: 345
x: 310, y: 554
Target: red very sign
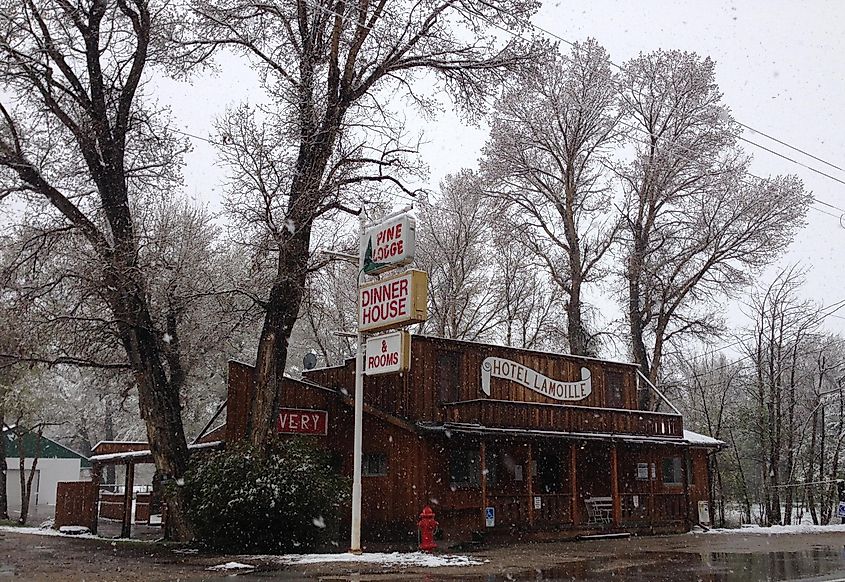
x: 301, y: 421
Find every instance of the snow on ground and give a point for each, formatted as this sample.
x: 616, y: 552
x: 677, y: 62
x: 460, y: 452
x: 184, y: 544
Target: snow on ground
x: 37, y: 531
x: 388, y: 560
x: 231, y: 567
x: 804, y: 528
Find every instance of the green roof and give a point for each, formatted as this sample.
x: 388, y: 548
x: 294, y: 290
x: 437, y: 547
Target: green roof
x: 49, y: 448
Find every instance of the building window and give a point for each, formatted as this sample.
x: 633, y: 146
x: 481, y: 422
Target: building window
x: 465, y: 468
x: 613, y: 386
x: 642, y: 471
x: 449, y: 376
x: 672, y: 471
x: 374, y: 465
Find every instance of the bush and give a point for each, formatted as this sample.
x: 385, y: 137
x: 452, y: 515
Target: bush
x: 287, y: 500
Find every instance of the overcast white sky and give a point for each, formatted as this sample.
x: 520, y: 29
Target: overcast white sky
x: 779, y: 65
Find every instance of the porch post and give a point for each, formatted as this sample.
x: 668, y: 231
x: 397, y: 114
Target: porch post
x: 96, y: 477
x: 483, y: 453
x: 652, y: 487
x: 530, y: 485
x: 573, y: 483
x: 129, y: 485
x: 614, y: 486
x: 685, y: 476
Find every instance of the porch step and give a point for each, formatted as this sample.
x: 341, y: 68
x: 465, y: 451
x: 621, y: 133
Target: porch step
x: 607, y: 536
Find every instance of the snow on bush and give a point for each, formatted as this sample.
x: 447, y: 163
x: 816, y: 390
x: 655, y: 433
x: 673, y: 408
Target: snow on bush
x: 288, y: 499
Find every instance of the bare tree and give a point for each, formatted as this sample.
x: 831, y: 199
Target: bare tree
x: 332, y: 70
x: 711, y: 399
x: 551, y: 134
x: 76, y: 136
x: 531, y: 306
x: 696, y: 225
x: 453, y: 234
x: 784, y: 329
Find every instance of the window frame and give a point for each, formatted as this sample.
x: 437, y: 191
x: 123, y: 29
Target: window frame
x: 470, y: 463
x: 382, y: 466
x: 677, y: 473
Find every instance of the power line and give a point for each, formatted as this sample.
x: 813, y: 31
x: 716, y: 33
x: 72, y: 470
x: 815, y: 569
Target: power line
x: 700, y: 163
x: 785, y: 157
x: 816, y: 320
x: 623, y: 69
x: 783, y: 143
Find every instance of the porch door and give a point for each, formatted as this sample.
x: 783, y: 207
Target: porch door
x: 551, y: 500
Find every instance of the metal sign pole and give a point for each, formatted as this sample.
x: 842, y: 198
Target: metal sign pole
x: 355, y: 543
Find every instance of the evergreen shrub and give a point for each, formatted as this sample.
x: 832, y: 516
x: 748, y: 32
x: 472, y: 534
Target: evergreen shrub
x: 287, y: 500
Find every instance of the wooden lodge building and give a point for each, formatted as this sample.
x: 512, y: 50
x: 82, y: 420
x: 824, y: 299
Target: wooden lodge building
x: 500, y: 442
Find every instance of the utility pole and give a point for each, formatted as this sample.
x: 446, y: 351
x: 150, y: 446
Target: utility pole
x: 355, y: 542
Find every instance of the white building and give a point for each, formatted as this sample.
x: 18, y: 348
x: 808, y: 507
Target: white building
x: 56, y: 463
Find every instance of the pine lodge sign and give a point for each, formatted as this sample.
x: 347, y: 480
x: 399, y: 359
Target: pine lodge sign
x: 388, y: 245
x: 534, y: 380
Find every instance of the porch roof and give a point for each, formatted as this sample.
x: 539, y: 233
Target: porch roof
x: 144, y: 456
x: 690, y: 438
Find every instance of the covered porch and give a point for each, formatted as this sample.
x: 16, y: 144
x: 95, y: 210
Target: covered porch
x: 545, y: 481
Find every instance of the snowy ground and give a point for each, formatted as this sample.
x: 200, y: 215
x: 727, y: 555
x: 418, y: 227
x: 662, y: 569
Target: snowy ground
x: 804, y: 553
x: 398, y: 559
x: 804, y: 528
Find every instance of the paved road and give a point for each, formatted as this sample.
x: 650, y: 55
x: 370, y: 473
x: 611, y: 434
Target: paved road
x: 671, y: 558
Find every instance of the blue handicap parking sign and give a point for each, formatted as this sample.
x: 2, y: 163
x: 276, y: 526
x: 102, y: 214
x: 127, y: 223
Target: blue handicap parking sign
x: 842, y: 509
x: 490, y: 516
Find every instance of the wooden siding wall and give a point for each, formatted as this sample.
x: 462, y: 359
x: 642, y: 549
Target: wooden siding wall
x: 76, y: 504
x: 394, y: 393
x: 420, y: 395
x: 391, y: 503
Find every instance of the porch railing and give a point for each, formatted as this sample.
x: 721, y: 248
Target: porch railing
x: 566, y: 418
x: 666, y: 507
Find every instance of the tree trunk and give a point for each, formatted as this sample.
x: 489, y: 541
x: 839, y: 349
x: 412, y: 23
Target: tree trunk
x: 111, y: 470
x: 635, y: 320
x: 575, y: 325
x: 26, y: 479
x: 280, y: 317
x: 810, y: 473
x: 160, y: 408
x: 4, y: 499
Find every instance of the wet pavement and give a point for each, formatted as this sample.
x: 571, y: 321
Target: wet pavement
x: 816, y: 564
x: 681, y: 558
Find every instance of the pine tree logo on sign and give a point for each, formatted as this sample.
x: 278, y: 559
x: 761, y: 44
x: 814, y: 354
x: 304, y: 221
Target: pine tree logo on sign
x: 388, y: 245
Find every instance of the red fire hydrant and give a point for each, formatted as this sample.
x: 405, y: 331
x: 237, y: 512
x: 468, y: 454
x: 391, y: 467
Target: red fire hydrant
x: 427, y: 525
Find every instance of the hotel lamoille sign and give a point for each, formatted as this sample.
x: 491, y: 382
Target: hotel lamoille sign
x: 534, y: 380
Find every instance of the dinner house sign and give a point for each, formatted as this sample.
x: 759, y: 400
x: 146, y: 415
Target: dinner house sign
x: 534, y: 380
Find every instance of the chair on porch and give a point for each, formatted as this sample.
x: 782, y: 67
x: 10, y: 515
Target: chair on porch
x: 599, y: 510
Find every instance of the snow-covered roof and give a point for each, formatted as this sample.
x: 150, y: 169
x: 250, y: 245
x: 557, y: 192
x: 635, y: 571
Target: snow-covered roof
x: 701, y: 440
x: 130, y: 455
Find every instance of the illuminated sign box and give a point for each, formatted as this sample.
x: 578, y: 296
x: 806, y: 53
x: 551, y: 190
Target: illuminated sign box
x: 388, y: 245
x: 394, y: 302
x: 388, y: 353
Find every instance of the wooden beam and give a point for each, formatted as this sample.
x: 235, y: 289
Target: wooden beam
x: 652, y: 486
x: 482, y: 451
x: 530, y: 485
x: 573, y: 483
x: 129, y: 485
x: 96, y: 477
x: 614, y: 486
x: 685, y: 466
